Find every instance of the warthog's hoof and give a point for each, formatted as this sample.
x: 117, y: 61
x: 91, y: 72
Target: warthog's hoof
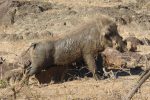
x: 97, y: 76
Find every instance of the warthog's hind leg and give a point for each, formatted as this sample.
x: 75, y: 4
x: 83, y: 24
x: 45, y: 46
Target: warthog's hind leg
x: 90, y: 61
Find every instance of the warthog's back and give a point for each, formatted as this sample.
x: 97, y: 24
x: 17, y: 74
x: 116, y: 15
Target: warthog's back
x: 70, y: 48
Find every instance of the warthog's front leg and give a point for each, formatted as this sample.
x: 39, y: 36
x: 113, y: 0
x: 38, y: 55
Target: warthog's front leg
x: 90, y: 61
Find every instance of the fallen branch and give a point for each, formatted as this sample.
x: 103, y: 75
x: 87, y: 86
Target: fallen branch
x: 141, y: 80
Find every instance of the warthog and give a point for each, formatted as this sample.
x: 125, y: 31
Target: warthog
x: 83, y: 43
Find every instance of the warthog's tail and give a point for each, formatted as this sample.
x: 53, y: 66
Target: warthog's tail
x: 32, y: 45
x: 25, y: 52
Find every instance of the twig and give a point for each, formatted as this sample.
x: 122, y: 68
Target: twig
x: 145, y: 41
x: 1, y: 71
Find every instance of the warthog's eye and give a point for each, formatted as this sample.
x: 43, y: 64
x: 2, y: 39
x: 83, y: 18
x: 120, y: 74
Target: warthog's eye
x: 125, y: 42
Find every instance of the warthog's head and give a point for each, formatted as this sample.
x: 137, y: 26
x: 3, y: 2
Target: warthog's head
x: 117, y: 41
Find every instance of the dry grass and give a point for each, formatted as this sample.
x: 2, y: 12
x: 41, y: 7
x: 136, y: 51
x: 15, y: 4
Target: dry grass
x: 86, y: 89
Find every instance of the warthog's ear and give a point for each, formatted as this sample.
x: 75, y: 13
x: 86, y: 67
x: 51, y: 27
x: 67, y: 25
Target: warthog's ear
x: 110, y: 30
x: 106, y: 33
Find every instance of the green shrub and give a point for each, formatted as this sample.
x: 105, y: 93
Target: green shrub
x: 3, y: 84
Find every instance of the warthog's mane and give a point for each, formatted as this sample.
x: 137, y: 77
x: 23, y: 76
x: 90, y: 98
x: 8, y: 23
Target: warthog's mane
x: 97, y: 26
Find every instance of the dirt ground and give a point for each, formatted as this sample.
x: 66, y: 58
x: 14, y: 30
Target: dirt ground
x: 22, y: 24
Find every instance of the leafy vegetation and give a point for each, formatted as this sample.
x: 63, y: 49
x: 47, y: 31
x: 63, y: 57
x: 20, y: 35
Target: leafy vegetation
x: 3, y: 84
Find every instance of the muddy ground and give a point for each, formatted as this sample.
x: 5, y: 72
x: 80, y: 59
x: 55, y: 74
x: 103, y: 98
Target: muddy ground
x: 23, y: 22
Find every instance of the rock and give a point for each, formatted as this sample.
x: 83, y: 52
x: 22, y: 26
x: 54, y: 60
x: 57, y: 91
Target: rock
x: 124, y: 60
x: 11, y: 10
x: 109, y: 55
